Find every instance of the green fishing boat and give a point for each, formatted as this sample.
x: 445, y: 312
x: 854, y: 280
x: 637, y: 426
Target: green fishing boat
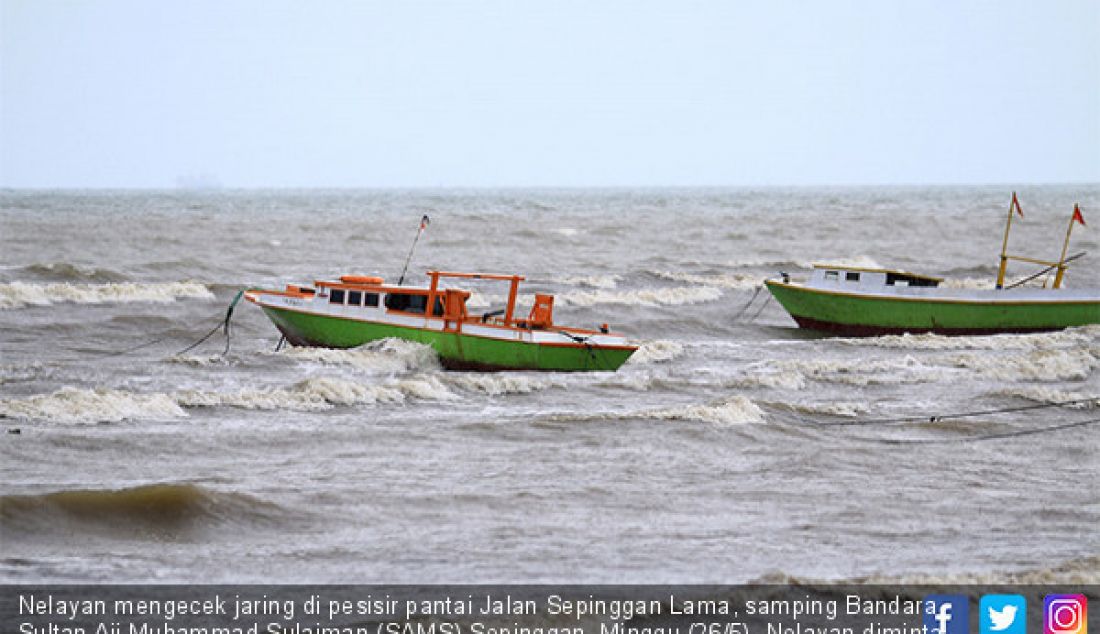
x: 855, y: 301
x: 354, y: 310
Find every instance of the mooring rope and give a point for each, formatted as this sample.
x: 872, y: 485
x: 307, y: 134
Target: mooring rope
x: 944, y: 417
x: 1010, y: 434
x: 223, y: 324
x: 752, y: 299
x: 762, y: 307
x: 941, y: 417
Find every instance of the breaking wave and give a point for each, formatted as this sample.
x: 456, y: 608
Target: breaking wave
x: 21, y: 294
x: 386, y: 356
x: 497, y: 383
x: 76, y: 405
x: 1062, y: 338
x: 85, y: 406
x: 1043, y: 394
x: 645, y: 297
x: 1038, y: 365
x: 591, y: 281
x: 154, y: 511
x: 319, y: 394
x: 728, y: 280
x: 736, y: 410
x: 859, y: 372
x: 655, y: 352
x: 733, y: 411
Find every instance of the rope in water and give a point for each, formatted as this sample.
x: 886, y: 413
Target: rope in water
x: 958, y: 415
x: 940, y: 417
x: 223, y: 324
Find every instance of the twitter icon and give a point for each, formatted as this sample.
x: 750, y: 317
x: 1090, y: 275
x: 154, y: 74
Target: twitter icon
x: 1003, y: 614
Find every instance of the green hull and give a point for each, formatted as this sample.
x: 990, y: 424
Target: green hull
x: 862, y: 315
x: 456, y: 351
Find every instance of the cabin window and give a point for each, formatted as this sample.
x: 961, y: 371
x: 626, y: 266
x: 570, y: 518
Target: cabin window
x: 831, y: 276
x: 852, y: 276
x: 406, y: 302
x: 418, y: 303
x: 336, y: 297
x: 355, y: 298
x: 371, y: 299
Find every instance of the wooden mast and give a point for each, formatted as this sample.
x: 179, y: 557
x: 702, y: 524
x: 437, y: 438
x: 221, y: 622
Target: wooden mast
x: 1004, y: 246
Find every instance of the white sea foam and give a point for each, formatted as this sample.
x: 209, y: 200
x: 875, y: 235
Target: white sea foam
x: 863, y: 372
x: 733, y: 411
x: 772, y: 378
x: 834, y: 408
x: 21, y: 294
x: 1044, y: 394
x: 387, y: 356
x: 645, y: 297
x: 319, y: 393
x: 78, y: 405
x: 1035, y: 365
x: 728, y: 280
x: 591, y: 281
x: 495, y: 384
x: 928, y: 341
x: 655, y: 352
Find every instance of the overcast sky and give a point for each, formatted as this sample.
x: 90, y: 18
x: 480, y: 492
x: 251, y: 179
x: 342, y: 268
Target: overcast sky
x: 151, y: 93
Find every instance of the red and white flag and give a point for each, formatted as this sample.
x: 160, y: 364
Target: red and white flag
x: 1077, y: 215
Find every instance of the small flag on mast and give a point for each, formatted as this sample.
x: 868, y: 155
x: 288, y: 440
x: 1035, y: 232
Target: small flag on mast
x: 1016, y: 204
x: 1077, y: 215
x: 424, y: 222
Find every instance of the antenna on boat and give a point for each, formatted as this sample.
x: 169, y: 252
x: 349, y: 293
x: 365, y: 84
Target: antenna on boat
x: 424, y: 222
x: 1015, y: 204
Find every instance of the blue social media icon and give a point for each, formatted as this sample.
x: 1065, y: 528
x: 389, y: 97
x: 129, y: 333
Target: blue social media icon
x: 946, y: 614
x: 1003, y: 614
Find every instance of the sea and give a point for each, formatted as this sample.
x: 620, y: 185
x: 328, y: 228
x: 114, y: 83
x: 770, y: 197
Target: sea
x: 733, y: 447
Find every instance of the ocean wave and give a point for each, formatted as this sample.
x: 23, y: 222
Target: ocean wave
x: 76, y: 405
x: 155, y: 511
x: 655, y: 352
x: 1043, y: 394
x: 319, y: 394
x: 15, y: 373
x: 736, y: 410
x: 770, y: 378
x: 1035, y: 341
x: 64, y: 272
x: 386, y: 356
x: 833, y: 408
x: 497, y: 383
x: 726, y: 280
x: 645, y: 297
x: 1081, y: 571
x: 732, y: 411
x: 70, y: 405
x: 591, y: 281
x: 21, y: 294
x: 1037, y: 365
x: 860, y: 372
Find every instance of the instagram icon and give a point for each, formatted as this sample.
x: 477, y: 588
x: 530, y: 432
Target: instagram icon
x: 1065, y: 614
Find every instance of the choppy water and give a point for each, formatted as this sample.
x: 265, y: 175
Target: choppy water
x: 706, y: 458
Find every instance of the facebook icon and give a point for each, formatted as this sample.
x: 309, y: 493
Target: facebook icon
x: 946, y: 614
